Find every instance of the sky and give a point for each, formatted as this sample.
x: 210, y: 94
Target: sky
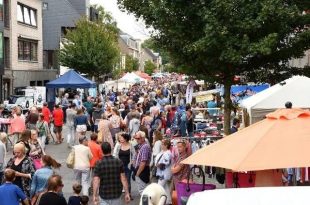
x: 126, y: 22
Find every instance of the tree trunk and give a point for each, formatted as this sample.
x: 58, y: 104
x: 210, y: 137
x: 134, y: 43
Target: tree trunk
x: 227, y: 106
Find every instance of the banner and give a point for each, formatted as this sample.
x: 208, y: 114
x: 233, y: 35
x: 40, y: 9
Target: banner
x: 189, y: 91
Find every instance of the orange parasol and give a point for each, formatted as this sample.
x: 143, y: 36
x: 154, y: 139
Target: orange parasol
x: 282, y: 140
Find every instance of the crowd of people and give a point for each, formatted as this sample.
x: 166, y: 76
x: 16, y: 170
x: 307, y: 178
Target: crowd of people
x: 114, y: 139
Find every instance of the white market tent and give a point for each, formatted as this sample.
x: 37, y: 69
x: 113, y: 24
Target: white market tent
x: 295, y: 90
x: 254, y: 196
x: 132, y: 78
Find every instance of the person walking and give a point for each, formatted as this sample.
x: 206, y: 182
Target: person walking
x: 80, y: 123
x: 104, y: 133
x: 178, y: 169
x: 58, y: 116
x: 36, y: 150
x: 17, y: 125
x: 40, y: 177
x: 125, y: 151
x: 10, y: 194
x: 32, y: 118
x: 43, y: 130
x: 109, y: 179
x: 163, y: 164
x: 142, y: 161
x: 64, y: 104
x: 71, y: 114
x: 81, y: 169
x: 23, y: 167
x: 116, y: 123
x: 53, y: 194
x: 46, y: 113
x: 96, y: 116
x: 3, y: 140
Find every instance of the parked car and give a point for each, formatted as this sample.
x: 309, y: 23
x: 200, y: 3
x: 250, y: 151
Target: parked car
x: 25, y: 102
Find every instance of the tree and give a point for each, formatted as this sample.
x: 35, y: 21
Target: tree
x: 131, y: 63
x: 91, y: 47
x: 218, y: 39
x: 149, y: 67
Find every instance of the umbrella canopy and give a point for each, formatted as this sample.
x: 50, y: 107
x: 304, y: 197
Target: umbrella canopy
x: 71, y: 79
x: 282, y: 140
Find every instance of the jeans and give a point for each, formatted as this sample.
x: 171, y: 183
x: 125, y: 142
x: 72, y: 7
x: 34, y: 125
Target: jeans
x: 82, y: 177
x: 166, y: 185
x: 71, y: 136
x: 117, y: 201
x: 128, y: 177
x: 141, y: 185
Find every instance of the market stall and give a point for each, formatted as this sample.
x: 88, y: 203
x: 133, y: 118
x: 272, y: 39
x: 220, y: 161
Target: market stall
x: 133, y: 78
x: 253, y: 196
x: 295, y: 90
x: 70, y: 79
x: 258, y: 152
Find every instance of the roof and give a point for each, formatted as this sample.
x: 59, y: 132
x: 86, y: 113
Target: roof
x: 295, y: 90
x: 71, y: 79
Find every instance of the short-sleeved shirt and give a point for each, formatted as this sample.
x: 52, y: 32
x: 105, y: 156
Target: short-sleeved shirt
x: 58, y: 117
x: 144, y: 155
x: 11, y: 194
x: 108, y: 169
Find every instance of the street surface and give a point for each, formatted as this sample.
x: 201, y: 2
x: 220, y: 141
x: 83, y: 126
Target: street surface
x: 60, y: 153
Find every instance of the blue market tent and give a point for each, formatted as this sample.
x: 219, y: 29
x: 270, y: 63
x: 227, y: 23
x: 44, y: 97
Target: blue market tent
x: 71, y: 79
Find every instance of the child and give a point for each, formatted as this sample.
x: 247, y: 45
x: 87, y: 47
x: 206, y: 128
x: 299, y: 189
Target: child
x: 10, y: 194
x: 75, y: 199
x: 84, y: 200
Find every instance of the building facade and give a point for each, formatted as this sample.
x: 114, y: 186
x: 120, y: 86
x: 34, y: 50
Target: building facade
x: 59, y: 15
x: 128, y: 46
x: 148, y: 54
x: 23, y: 45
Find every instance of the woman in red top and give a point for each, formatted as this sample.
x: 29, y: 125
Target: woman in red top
x: 58, y: 122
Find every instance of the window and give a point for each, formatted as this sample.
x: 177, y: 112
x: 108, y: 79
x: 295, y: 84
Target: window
x: 27, y: 50
x: 26, y: 15
x: 45, y: 6
x: 20, y: 13
x: 32, y: 83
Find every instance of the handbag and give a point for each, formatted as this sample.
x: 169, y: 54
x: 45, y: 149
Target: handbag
x: 100, y: 137
x: 185, y: 189
x: 154, y: 170
x: 70, y: 159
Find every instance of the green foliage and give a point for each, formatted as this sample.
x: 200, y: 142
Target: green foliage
x: 91, y: 47
x: 218, y: 39
x: 116, y: 73
x: 131, y: 64
x: 223, y: 38
x: 149, y: 67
